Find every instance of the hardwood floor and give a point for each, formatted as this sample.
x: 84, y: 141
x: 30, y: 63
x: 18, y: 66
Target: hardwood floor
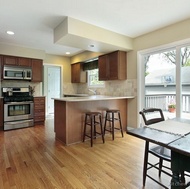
x: 31, y: 158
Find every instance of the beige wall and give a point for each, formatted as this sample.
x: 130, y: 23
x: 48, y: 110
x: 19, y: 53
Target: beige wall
x: 62, y: 61
x: 167, y: 35
x: 13, y: 50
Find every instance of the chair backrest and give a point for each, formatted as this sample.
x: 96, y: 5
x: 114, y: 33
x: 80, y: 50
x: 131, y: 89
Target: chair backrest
x: 152, y: 115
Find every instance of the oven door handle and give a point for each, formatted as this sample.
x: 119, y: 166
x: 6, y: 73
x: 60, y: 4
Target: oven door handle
x: 13, y: 122
x: 23, y: 102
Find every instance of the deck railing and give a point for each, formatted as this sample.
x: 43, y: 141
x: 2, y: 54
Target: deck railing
x: 162, y: 101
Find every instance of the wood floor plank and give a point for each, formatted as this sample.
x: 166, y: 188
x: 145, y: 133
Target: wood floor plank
x: 31, y: 158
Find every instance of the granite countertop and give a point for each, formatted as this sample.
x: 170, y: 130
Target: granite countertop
x: 92, y: 98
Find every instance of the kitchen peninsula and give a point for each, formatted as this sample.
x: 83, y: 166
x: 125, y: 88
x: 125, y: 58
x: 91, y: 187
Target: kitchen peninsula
x: 69, y: 114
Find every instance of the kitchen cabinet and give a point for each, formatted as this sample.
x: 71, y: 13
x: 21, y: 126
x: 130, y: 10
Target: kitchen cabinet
x: 1, y: 67
x: 77, y: 73
x: 103, y: 67
x: 16, y: 61
x: 24, y: 61
x: 10, y: 60
x: 37, y: 70
x: 39, y: 110
x: 35, y: 64
x: 1, y: 113
x: 112, y: 66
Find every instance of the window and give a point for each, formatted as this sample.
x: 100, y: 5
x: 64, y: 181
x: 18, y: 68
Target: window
x: 93, y: 79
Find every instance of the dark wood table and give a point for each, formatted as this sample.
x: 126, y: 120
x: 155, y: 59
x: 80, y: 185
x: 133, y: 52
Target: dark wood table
x: 178, y: 143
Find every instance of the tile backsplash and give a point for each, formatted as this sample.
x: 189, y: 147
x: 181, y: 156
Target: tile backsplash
x: 112, y: 88
x: 12, y: 83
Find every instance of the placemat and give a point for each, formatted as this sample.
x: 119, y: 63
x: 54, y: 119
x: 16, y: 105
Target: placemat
x: 172, y: 126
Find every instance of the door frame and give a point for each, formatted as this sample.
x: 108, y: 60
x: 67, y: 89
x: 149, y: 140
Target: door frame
x: 45, y: 85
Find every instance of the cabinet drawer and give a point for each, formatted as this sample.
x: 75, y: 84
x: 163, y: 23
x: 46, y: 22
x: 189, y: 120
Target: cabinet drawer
x: 38, y: 111
x: 39, y: 106
x: 39, y: 118
x: 39, y: 100
x: 39, y: 114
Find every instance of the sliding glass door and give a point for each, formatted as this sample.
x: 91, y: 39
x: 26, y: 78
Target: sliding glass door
x: 167, y: 81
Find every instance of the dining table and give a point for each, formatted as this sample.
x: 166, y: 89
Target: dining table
x: 173, y: 134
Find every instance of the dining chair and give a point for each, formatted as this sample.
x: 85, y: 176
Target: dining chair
x: 151, y: 116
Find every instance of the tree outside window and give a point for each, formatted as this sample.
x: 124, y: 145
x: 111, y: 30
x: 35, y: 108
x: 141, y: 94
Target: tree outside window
x: 93, y: 79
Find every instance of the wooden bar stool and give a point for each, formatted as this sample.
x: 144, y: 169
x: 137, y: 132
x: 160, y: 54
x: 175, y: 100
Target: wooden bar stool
x: 110, y: 117
x: 93, y: 119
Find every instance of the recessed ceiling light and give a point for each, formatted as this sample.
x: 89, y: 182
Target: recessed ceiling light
x: 10, y: 32
x: 68, y: 53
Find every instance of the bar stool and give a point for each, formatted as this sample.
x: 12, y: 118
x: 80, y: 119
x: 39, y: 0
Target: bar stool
x: 91, y: 120
x: 110, y: 117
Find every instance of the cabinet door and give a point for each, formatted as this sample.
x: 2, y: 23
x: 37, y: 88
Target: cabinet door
x: 24, y: 62
x: 77, y: 73
x: 10, y: 60
x: 37, y: 70
x: 113, y: 66
x: 103, y: 67
x: 1, y: 67
x: 122, y: 65
x: 1, y: 113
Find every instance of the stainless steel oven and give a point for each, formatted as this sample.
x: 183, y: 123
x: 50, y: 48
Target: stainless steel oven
x: 18, y: 109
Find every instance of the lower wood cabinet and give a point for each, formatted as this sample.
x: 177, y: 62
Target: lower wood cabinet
x: 39, y: 110
x: 1, y: 113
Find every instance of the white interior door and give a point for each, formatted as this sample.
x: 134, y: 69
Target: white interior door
x: 53, y: 88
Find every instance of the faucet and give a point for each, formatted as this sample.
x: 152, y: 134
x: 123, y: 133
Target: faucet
x: 93, y: 91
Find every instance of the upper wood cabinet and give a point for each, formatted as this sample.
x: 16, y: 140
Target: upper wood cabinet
x: 16, y: 61
x: 112, y: 66
x: 77, y: 73
x: 1, y: 113
x: 37, y: 70
x: 24, y: 61
x: 1, y: 67
x: 35, y: 64
x: 103, y: 67
x: 10, y: 60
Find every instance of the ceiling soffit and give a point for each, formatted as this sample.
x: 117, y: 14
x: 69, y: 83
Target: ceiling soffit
x: 78, y: 34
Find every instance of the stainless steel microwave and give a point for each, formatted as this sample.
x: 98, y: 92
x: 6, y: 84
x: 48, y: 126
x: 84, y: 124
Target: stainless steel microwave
x: 20, y: 73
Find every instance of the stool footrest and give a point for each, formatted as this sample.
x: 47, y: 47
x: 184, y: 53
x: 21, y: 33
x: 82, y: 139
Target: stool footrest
x: 96, y: 123
x: 113, y: 119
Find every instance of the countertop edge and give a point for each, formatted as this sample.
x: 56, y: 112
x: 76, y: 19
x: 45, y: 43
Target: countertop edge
x: 91, y: 98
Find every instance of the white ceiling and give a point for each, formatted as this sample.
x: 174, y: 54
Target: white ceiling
x: 34, y: 21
